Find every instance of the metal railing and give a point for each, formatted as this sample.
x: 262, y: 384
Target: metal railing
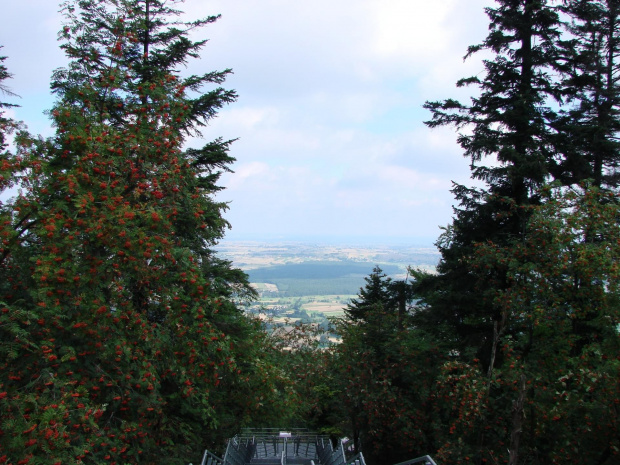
x: 425, y: 460
x: 239, y: 451
x: 211, y: 459
x: 279, y: 445
x: 271, y: 442
x: 356, y: 460
x: 330, y: 456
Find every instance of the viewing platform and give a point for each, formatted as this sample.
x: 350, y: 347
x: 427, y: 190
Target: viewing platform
x: 269, y: 446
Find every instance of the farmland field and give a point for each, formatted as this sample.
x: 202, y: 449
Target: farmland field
x: 309, y: 282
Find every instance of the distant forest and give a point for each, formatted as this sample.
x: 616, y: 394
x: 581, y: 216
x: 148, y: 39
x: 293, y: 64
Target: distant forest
x: 317, y: 278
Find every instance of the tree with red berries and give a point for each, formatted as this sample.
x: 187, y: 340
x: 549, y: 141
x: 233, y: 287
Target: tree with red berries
x: 128, y: 346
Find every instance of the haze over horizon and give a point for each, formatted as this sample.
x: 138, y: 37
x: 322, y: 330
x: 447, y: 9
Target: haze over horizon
x: 332, y: 144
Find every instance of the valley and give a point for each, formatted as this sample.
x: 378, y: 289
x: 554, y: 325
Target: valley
x: 310, y: 282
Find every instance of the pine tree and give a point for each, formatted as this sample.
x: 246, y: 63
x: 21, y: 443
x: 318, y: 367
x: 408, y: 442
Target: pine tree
x: 6, y: 124
x: 515, y: 302
x: 136, y: 348
x: 534, y: 397
x: 389, y: 368
x: 373, y: 296
x: 509, y: 122
x: 589, y: 120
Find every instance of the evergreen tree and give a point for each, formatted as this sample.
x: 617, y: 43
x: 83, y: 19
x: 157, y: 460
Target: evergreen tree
x: 6, y: 124
x: 587, y: 145
x: 514, y: 302
x: 380, y: 295
x: 547, y: 396
x: 133, y: 349
x: 15, y: 317
x: 508, y: 123
x: 389, y: 371
x: 374, y: 294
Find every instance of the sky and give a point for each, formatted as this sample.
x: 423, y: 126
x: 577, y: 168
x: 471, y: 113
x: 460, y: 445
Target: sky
x: 331, y: 144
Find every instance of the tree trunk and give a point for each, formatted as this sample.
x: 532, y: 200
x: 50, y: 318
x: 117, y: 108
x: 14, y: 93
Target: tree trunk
x: 517, y: 423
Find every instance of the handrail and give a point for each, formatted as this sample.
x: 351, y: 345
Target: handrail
x: 227, y: 453
x: 330, y: 456
x: 238, y: 452
x: 425, y: 460
x: 356, y: 459
x: 296, y: 437
x: 211, y: 459
x: 241, y: 449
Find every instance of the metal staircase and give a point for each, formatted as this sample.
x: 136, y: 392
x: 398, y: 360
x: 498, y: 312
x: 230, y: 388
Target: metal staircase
x: 291, y: 447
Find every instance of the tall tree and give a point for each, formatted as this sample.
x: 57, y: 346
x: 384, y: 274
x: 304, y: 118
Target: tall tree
x: 507, y: 123
x: 6, y: 124
x: 549, y: 398
x: 135, y: 348
x: 587, y: 126
x: 386, y: 372
x: 374, y: 294
x: 518, y: 320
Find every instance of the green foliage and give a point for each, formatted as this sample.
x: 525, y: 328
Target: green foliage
x: 120, y: 337
x: 523, y: 307
x: 546, y: 392
x: 559, y: 329
x: 588, y: 121
x: 526, y: 288
x: 121, y: 340
x: 386, y: 373
x: 308, y: 367
x: 6, y: 124
x: 373, y: 297
x: 509, y: 123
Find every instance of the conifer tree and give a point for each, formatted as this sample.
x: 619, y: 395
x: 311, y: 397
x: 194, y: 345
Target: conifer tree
x: 6, y: 124
x: 515, y: 302
x: 509, y: 124
x: 373, y: 297
x: 133, y: 344
x: 589, y: 120
x: 390, y: 368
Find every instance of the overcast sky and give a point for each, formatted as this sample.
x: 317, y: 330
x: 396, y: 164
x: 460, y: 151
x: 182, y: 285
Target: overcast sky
x: 329, y: 118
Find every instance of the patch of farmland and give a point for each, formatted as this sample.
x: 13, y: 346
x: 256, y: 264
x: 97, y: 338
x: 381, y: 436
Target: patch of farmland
x: 317, y: 270
x: 327, y: 308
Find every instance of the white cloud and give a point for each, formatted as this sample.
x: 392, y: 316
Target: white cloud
x: 404, y: 177
x: 247, y: 171
x: 244, y: 118
x: 410, y: 30
x: 329, y: 116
